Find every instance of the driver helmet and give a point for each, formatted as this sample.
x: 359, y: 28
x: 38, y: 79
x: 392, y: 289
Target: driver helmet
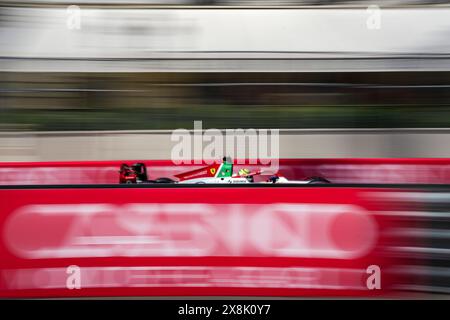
x: 244, y: 172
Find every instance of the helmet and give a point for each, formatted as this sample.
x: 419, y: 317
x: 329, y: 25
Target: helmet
x: 244, y: 172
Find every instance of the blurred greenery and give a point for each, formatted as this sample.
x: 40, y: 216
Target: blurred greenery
x: 137, y: 101
x: 229, y: 117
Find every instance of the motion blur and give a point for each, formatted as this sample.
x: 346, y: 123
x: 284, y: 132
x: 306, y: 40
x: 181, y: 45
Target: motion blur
x: 360, y: 93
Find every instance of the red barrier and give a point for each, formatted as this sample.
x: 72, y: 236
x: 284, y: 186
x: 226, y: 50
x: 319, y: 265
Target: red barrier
x: 191, y: 241
x: 434, y: 171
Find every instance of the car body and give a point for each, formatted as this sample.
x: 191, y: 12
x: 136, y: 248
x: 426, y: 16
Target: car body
x: 217, y: 173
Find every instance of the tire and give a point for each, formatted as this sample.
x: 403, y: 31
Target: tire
x: 163, y: 180
x: 318, y: 180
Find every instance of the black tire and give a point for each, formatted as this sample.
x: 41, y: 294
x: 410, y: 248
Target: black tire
x: 318, y: 180
x: 164, y: 180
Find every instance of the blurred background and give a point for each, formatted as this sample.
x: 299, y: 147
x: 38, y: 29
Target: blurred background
x: 111, y: 79
x: 340, y: 78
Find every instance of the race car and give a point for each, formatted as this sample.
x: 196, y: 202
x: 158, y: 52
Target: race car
x: 212, y: 174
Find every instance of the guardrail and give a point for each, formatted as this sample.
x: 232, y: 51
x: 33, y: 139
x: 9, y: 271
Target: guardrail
x: 366, y: 171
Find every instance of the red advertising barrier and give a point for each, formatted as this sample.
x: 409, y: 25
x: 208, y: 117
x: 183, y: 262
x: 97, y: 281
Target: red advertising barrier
x: 429, y: 171
x: 252, y: 241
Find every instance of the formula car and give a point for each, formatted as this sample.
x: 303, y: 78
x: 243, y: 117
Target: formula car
x: 215, y: 173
